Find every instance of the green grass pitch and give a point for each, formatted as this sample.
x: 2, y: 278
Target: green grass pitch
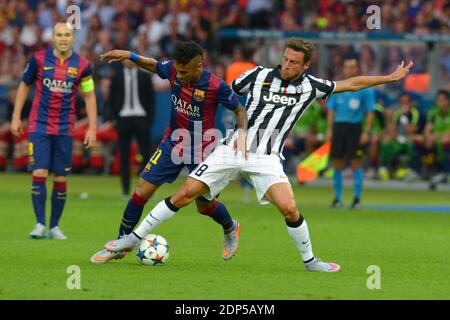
x: 410, y: 248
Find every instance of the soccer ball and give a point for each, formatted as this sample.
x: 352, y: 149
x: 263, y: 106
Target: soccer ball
x: 153, y: 250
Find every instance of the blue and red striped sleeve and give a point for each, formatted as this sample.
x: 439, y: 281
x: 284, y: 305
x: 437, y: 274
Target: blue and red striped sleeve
x: 164, y: 68
x: 227, y: 97
x: 31, y: 71
x: 87, y: 72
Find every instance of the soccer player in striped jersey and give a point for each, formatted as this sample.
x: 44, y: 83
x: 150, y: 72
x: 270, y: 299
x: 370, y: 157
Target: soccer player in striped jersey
x: 277, y: 98
x: 58, y: 73
x: 196, y: 94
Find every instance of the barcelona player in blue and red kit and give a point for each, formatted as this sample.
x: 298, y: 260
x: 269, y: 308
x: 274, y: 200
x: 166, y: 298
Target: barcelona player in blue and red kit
x: 196, y: 95
x: 57, y: 73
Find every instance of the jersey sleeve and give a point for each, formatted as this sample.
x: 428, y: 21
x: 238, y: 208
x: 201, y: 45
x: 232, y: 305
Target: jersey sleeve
x: 241, y: 85
x: 227, y: 97
x: 87, y: 83
x: 323, y: 88
x: 87, y: 72
x: 30, y: 72
x: 163, y: 68
x: 369, y: 100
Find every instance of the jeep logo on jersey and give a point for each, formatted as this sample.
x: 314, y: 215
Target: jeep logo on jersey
x: 280, y: 99
x: 58, y: 85
x: 185, y: 108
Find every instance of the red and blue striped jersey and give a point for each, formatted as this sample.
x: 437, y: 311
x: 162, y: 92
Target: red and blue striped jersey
x: 57, y: 82
x: 194, y: 106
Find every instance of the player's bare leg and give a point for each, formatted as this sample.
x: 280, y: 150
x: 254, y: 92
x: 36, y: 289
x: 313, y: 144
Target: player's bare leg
x: 191, y: 190
x: 282, y: 196
x: 38, y: 197
x: 163, y: 211
x: 144, y: 190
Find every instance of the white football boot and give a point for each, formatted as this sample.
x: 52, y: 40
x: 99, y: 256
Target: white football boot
x: 231, y: 241
x: 104, y: 256
x: 320, y: 266
x: 56, y: 233
x: 125, y: 243
x: 38, y: 231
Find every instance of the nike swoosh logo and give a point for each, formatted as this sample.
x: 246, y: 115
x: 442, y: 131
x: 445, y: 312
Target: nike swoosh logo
x: 265, y: 83
x: 67, y: 169
x: 48, y: 68
x: 96, y: 258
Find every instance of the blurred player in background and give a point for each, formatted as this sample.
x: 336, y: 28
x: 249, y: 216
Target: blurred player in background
x: 196, y: 94
x: 376, y: 135
x: 400, y: 137
x: 437, y: 137
x: 278, y: 97
x: 5, y: 132
x: 346, y: 113
x: 58, y: 73
x: 19, y: 144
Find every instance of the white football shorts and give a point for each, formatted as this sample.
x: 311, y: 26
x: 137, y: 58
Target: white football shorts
x: 223, y: 166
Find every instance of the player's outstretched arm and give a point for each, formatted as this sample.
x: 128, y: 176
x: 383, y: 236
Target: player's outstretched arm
x: 362, y: 82
x: 21, y: 97
x: 120, y: 55
x: 240, y: 145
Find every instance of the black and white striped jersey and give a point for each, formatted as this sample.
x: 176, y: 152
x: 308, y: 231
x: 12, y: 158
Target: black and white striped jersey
x: 275, y: 105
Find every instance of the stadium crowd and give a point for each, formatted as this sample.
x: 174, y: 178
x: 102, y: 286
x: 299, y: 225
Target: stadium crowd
x: 409, y: 140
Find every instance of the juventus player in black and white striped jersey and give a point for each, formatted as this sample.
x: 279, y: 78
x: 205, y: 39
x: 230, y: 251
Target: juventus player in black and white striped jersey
x: 274, y: 105
x: 277, y: 98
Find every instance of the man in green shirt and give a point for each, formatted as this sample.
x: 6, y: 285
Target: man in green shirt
x: 437, y: 136
x: 376, y: 135
x: 399, y: 136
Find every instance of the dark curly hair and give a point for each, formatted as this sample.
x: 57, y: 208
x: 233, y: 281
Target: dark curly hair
x: 185, y: 51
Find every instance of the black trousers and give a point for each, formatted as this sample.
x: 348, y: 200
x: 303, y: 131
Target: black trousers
x: 129, y: 128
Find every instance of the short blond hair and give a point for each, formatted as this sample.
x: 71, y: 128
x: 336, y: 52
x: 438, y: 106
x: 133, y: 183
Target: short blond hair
x: 300, y: 45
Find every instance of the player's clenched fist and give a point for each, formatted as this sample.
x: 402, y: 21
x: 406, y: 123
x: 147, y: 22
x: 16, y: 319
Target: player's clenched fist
x: 115, y: 55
